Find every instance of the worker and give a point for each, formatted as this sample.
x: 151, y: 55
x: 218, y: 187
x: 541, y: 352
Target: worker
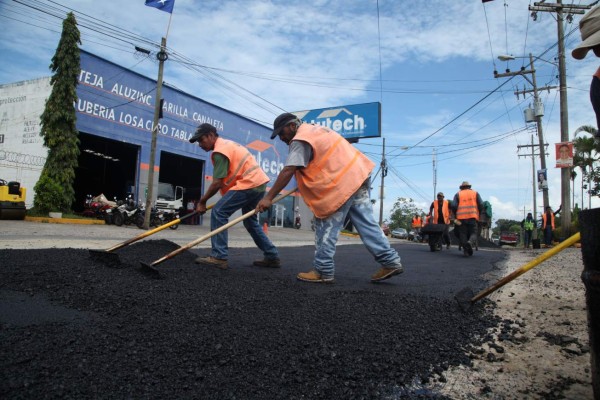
x: 467, y: 205
x: 439, y: 211
x: 416, y: 224
x: 589, y: 27
x: 548, y: 225
x: 334, y: 179
x: 527, y: 225
x: 242, y: 183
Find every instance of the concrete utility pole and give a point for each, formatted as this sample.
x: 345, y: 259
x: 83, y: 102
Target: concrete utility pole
x: 533, y: 174
x: 565, y: 176
x: 383, y: 174
x: 538, y: 107
x: 162, y: 57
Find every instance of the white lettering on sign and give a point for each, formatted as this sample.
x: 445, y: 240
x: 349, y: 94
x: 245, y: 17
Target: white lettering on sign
x: 269, y: 166
x: 130, y: 93
x: 175, y: 109
x: 91, y: 79
x: 200, y: 119
x: 97, y: 110
x: 353, y: 124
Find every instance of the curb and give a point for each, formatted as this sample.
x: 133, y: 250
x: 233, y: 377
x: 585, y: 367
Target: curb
x: 49, y: 220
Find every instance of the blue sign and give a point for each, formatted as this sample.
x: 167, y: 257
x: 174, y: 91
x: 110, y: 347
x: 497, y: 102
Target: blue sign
x: 117, y: 103
x: 351, y: 121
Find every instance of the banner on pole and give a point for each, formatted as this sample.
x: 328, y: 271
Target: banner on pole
x: 162, y: 5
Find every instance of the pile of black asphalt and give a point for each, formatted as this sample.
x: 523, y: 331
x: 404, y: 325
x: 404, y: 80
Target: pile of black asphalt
x: 74, y: 328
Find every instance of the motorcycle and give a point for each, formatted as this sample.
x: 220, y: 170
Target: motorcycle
x: 126, y: 213
x: 95, y: 207
x: 297, y: 223
x: 157, y: 218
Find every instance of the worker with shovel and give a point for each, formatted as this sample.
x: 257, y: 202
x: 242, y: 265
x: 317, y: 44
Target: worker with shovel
x: 333, y: 178
x: 242, y: 184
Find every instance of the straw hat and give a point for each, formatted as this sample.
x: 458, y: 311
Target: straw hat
x: 589, y: 26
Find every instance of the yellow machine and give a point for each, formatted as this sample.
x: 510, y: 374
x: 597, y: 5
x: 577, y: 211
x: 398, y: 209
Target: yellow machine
x: 12, y: 200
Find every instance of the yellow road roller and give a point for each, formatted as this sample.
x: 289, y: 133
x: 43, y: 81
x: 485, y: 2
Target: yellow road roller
x: 12, y: 200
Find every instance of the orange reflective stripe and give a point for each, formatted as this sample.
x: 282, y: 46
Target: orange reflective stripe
x: 336, y: 171
x: 467, y: 205
x: 244, y: 172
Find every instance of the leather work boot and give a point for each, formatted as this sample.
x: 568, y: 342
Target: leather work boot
x: 386, y: 273
x: 314, y: 276
x: 210, y: 260
x: 268, y: 262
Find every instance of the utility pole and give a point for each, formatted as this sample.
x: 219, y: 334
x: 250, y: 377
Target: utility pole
x: 565, y: 176
x: 533, y: 177
x: 383, y: 174
x: 538, y: 108
x: 162, y: 57
x: 434, y: 174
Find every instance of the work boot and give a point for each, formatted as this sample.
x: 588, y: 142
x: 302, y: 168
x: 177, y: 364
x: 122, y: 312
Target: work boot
x: 468, y: 249
x: 386, y: 273
x: 212, y: 261
x: 268, y: 262
x: 314, y: 276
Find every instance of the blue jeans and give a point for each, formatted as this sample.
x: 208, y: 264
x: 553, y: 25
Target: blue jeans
x: 233, y: 200
x: 548, y: 235
x: 327, y: 231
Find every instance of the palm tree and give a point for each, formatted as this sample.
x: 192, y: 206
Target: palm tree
x: 586, y: 157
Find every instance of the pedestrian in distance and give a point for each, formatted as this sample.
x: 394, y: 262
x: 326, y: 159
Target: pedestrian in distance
x: 467, y: 205
x: 242, y: 184
x: 334, y: 179
x: 589, y: 27
x: 527, y: 225
x: 548, y: 225
x: 439, y: 211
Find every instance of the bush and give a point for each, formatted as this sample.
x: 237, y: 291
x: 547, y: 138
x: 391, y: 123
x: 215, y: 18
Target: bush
x: 48, y: 195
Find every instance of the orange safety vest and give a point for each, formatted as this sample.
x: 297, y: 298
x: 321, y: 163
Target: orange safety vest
x: 445, y: 211
x: 244, y: 172
x: 544, y: 217
x: 467, y: 205
x: 335, y: 173
x: 416, y: 222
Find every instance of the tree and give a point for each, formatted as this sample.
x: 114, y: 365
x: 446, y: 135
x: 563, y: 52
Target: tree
x: 54, y: 190
x: 586, y: 157
x: 506, y: 225
x: 402, y: 212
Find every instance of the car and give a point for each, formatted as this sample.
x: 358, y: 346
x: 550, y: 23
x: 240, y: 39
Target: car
x: 385, y: 229
x: 509, y: 238
x: 400, y: 233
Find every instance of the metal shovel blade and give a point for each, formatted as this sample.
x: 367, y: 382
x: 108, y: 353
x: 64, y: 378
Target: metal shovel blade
x: 105, y: 257
x: 150, y: 271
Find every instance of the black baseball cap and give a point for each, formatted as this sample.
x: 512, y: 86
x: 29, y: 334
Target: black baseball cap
x: 280, y: 122
x: 202, y: 130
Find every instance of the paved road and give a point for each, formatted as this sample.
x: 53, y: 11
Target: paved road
x: 439, y: 274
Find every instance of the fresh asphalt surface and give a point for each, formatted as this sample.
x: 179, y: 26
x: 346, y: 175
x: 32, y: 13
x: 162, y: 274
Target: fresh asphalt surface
x: 72, y: 327
x: 441, y: 274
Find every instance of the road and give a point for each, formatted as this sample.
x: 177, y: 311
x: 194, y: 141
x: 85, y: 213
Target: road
x: 440, y: 274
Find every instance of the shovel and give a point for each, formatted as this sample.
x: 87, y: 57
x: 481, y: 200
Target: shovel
x: 465, y: 297
x: 152, y: 271
x: 112, y: 259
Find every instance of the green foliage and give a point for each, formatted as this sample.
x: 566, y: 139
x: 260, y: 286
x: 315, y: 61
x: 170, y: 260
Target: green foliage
x: 587, y: 158
x: 506, y: 225
x: 49, y: 195
x: 402, y: 213
x: 58, y: 124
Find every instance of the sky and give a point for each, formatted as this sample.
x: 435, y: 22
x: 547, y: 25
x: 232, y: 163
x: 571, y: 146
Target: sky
x: 445, y: 117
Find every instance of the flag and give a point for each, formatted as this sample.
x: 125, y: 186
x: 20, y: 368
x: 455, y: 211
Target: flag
x: 162, y: 5
x: 485, y: 1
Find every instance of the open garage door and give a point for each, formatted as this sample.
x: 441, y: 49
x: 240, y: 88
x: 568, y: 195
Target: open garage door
x: 182, y: 171
x: 105, y: 166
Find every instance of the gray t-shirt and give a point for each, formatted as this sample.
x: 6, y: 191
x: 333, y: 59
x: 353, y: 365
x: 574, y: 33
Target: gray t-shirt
x: 299, y: 154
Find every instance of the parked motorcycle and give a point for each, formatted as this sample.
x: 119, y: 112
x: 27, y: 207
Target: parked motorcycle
x: 157, y: 218
x: 126, y: 213
x: 95, y: 207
